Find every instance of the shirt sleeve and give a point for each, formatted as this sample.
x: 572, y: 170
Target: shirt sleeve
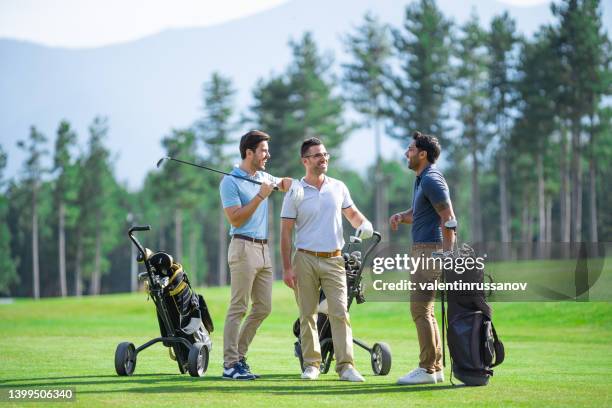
x: 229, y: 193
x: 347, y: 201
x: 435, y: 189
x: 289, y: 209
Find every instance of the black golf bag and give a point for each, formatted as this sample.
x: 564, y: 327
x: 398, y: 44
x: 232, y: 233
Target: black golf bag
x: 380, y: 353
x: 184, y: 320
x: 472, y: 340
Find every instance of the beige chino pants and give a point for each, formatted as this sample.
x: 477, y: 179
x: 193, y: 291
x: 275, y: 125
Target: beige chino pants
x: 251, y: 278
x: 314, y: 273
x: 422, y: 311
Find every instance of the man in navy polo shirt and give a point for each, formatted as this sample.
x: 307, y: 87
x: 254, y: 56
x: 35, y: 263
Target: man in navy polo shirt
x: 246, y: 208
x: 431, y: 208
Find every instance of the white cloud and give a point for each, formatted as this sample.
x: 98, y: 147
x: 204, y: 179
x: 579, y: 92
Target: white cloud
x: 92, y: 23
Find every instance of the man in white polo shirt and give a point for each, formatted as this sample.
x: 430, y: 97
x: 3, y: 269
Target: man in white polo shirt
x: 318, y: 263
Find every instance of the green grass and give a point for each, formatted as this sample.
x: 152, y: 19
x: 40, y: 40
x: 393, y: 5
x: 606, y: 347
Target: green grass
x: 558, y: 354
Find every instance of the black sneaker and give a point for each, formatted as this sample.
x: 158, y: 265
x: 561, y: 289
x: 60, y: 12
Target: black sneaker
x: 245, y: 365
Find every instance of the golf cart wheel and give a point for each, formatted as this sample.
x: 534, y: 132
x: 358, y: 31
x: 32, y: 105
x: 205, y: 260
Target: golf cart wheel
x: 197, y: 362
x: 297, y: 349
x: 125, y: 359
x: 381, y: 358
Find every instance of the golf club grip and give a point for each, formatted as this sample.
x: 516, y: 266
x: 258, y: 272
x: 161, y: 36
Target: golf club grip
x: 250, y: 180
x: 140, y: 228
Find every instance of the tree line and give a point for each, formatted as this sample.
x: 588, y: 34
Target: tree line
x: 524, y: 123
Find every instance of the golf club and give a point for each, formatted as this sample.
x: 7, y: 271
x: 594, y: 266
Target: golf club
x: 160, y: 162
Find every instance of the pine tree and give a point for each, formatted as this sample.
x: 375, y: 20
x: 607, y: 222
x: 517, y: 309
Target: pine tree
x: 65, y: 193
x: 8, y: 265
x: 214, y: 131
x: 364, y: 78
x: 501, y: 44
x: 472, y: 97
x: 33, y: 173
x: 419, y: 92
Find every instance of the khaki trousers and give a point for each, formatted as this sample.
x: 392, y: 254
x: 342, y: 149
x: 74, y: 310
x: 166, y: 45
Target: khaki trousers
x: 422, y: 311
x: 314, y: 273
x: 251, y: 278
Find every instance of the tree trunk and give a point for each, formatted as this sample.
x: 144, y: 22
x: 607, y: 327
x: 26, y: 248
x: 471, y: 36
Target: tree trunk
x: 576, y: 185
x: 62, y: 250
x: 35, y: 263
x: 193, y: 261
x: 381, y: 205
x: 541, y: 198
x: 94, y: 284
x: 503, y: 200
x: 593, y: 191
x: 178, y: 235
x: 564, y: 198
x: 78, y: 274
x: 476, y: 215
x: 222, y: 251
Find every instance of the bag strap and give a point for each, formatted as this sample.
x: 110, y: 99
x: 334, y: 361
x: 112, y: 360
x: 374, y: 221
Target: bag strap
x: 500, y: 352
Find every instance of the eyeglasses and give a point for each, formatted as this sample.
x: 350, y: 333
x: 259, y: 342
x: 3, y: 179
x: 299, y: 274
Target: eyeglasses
x: 318, y: 155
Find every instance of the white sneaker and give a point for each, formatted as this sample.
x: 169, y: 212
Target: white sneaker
x: 352, y: 375
x: 439, y: 376
x: 417, y: 376
x: 310, y: 373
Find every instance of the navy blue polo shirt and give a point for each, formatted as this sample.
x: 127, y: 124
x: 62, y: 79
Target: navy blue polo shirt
x: 429, y: 188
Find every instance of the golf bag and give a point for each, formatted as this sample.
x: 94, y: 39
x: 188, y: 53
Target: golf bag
x: 472, y: 340
x: 184, y: 320
x: 380, y: 353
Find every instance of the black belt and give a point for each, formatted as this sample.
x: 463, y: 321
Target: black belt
x: 247, y: 238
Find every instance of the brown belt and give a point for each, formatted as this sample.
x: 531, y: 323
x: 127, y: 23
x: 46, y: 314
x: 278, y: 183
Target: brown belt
x: 247, y: 238
x: 335, y: 253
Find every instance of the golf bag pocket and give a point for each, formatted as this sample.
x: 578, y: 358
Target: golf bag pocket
x: 474, y: 347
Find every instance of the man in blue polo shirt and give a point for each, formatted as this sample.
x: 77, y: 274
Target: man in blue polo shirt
x: 246, y: 208
x: 431, y: 208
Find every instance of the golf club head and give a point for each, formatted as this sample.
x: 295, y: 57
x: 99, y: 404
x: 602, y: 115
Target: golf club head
x: 161, y: 161
x: 355, y: 240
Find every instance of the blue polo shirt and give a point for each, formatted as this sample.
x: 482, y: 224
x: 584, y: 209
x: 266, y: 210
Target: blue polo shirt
x: 429, y: 188
x: 235, y: 191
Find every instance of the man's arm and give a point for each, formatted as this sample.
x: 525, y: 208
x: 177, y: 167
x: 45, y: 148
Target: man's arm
x: 286, y: 239
x: 238, y: 215
x: 445, y: 211
x: 354, y: 216
x: 404, y: 217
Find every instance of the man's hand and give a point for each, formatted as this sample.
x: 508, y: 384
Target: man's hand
x: 296, y: 192
x: 395, y: 221
x: 266, y: 189
x: 365, y: 230
x: 289, y: 278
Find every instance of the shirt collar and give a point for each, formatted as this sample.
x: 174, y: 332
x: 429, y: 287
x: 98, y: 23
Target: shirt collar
x: 305, y: 184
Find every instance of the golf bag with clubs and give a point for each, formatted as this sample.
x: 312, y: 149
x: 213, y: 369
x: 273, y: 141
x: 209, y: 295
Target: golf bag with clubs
x: 468, y: 326
x: 380, y: 353
x: 184, y: 320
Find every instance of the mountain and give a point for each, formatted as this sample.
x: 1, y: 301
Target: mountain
x: 149, y: 86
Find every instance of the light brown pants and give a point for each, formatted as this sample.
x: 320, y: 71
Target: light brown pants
x: 314, y: 273
x: 422, y: 310
x: 251, y: 277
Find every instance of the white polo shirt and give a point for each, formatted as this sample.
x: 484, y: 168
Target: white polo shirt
x: 318, y: 218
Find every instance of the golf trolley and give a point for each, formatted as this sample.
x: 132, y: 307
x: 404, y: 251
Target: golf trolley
x: 182, y: 314
x: 380, y: 353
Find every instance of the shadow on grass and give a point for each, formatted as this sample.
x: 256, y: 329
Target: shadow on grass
x: 173, y: 384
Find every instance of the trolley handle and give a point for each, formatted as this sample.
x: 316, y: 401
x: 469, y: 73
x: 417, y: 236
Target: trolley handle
x: 136, y: 228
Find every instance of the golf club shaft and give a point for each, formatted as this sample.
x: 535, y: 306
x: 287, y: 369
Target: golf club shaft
x: 216, y: 171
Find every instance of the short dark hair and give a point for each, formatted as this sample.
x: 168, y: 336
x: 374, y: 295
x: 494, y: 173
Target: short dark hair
x: 308, y: 143
x: 428, y: 144
x: 251, y: 139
